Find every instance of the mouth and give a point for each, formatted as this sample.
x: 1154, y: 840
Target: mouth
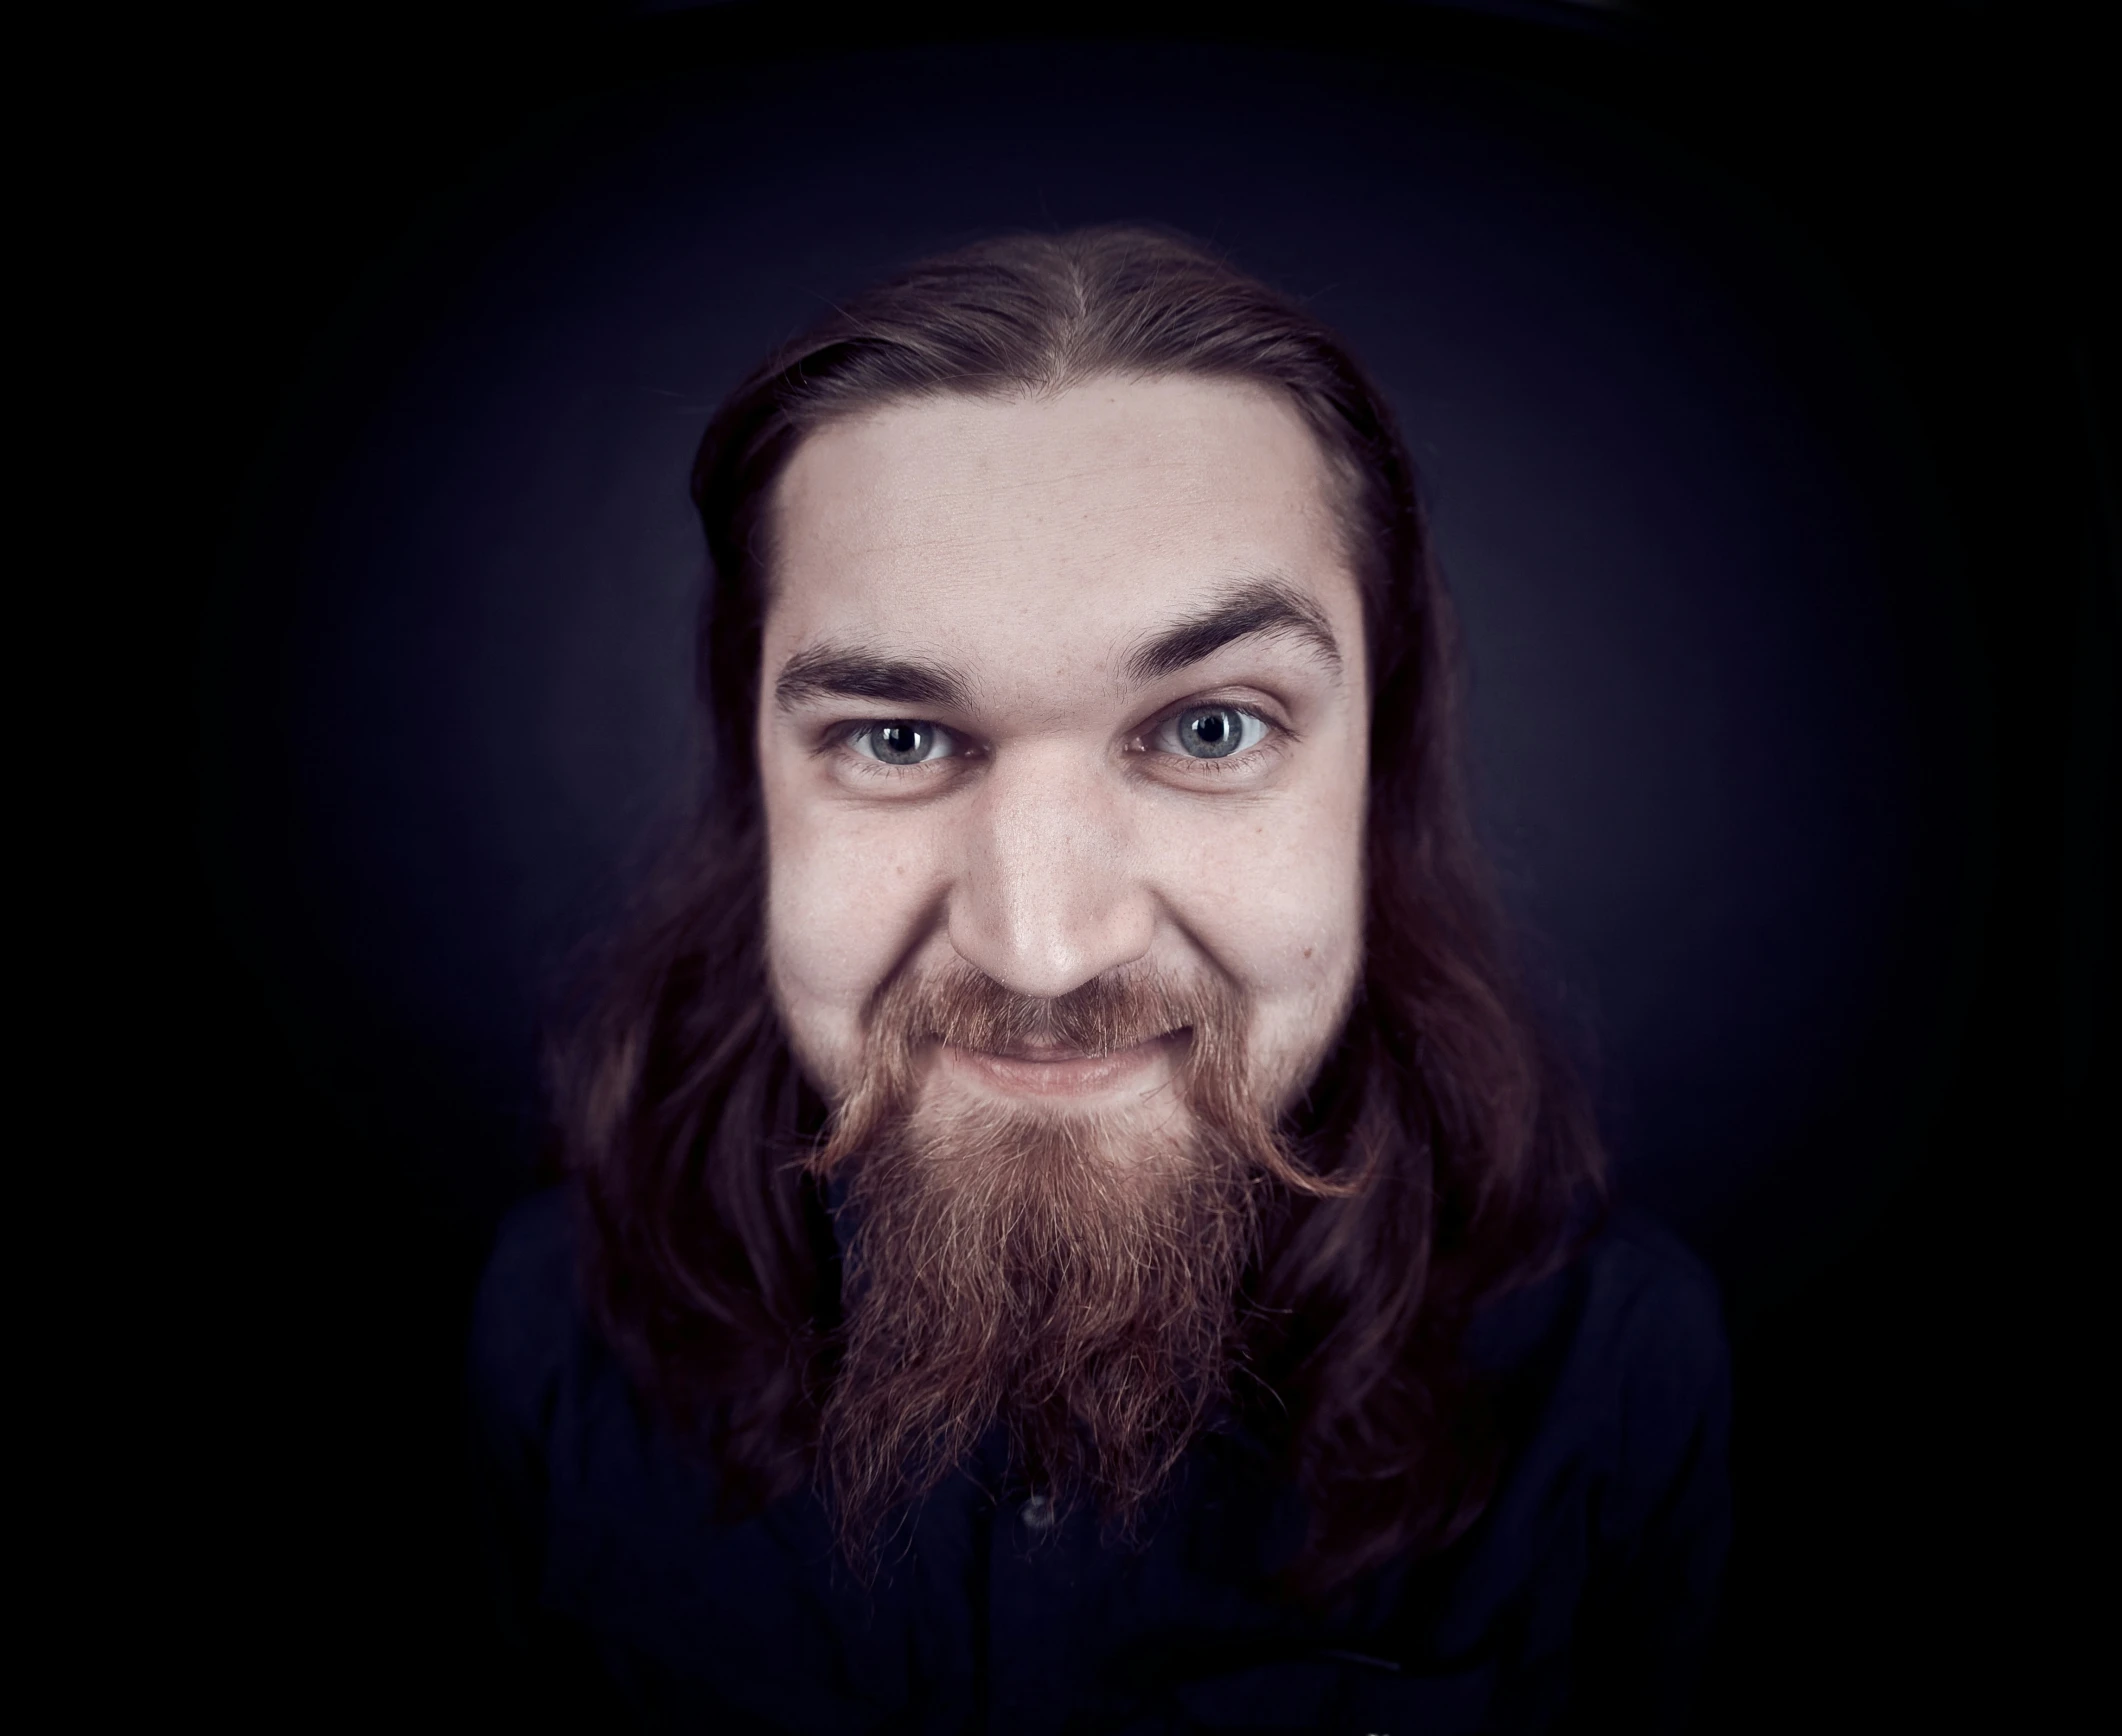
x: 1056, y: 1070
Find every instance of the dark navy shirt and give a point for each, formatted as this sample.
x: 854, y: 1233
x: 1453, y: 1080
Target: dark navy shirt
x: 1580, y: 1600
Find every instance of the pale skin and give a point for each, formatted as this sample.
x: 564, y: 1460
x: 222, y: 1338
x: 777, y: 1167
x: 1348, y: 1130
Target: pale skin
x: 1060, y: 686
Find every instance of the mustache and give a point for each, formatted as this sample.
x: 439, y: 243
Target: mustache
x: 963, y: 1008
x: 960, y: 1007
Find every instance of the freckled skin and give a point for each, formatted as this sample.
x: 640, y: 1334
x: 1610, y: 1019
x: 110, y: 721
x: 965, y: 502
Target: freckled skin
x: 1029, y: 545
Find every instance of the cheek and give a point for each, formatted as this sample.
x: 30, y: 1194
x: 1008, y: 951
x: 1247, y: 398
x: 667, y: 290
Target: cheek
x: 1276, y: 901
x: 843, y: 907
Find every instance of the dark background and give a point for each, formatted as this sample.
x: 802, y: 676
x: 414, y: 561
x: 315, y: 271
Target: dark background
x: 1756, y: 371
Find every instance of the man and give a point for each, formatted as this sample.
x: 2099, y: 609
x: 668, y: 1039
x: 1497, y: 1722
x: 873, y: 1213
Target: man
x: 1068, y: 1225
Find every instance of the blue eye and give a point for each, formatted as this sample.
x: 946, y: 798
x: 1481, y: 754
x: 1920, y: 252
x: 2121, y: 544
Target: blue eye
x: 902, y: 743
x: 1211, y: 732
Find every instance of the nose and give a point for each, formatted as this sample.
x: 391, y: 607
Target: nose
x: 1048, y: 894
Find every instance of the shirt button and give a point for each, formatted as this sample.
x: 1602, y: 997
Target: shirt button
x: 1038, y: 1513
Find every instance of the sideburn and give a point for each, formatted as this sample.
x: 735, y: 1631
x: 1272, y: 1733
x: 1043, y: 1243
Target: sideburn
x: 1070, y: 1278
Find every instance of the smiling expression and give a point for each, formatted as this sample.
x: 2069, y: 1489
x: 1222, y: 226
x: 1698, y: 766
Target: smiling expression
x: 1064, y: 688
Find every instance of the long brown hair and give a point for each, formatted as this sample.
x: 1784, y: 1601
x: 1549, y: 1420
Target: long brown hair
x: 679, y: 1106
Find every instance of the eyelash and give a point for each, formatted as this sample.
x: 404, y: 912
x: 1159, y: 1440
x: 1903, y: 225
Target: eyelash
x: 1276, y: 734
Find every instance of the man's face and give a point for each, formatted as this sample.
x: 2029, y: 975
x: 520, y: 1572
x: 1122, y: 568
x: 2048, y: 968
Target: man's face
x: 1064, y: 689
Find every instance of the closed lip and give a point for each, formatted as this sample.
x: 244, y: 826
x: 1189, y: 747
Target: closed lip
x: 1052, y: 1070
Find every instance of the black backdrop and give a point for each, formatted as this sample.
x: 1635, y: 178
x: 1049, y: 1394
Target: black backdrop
x: 1754, y: 377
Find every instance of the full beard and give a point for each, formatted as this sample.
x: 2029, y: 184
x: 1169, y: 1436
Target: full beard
x: 1071, y: 1277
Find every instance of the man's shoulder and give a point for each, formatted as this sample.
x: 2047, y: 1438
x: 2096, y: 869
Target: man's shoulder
x: 1644, y: 1284
x: 527, y: 1318
x: 1631, y: 1284
x: 1615, y: 1374
x: 1648, y: 1371
x: 1622, y: 1353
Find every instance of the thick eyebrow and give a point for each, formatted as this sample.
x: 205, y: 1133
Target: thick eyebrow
x: 828, y: 672
x: 1258, y: 608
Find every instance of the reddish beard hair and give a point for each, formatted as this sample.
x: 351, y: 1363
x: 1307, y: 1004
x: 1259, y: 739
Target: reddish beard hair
x: 1072, y: 1277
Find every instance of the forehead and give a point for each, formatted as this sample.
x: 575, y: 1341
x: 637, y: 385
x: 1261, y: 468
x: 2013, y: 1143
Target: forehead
x: 1042, y: 533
